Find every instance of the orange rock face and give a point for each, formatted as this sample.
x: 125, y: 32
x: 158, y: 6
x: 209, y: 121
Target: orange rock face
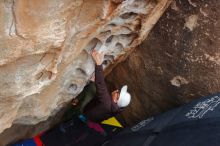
x: 45, y: 49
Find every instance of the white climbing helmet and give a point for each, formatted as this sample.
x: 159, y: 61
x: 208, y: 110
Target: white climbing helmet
x: 124, y: 98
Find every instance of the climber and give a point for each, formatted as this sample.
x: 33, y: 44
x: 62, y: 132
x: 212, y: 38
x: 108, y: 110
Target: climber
x: 94, y: 105
x: 103, y: 105
x: 86, y: 130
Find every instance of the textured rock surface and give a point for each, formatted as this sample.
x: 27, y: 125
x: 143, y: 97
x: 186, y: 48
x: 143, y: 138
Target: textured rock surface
x: 179, y: 61
x: 45, y: 49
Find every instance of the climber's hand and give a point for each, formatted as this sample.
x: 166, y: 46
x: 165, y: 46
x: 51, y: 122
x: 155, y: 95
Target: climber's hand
x: 75, y: 101
x: 98, y: 57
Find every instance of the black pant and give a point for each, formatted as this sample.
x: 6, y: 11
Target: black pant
x: 72, y: 133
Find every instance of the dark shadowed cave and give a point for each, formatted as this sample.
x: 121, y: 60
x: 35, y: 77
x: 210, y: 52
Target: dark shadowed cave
x: 178, y: 62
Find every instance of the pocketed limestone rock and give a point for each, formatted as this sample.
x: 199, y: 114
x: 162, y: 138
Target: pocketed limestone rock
x: 45, y: 48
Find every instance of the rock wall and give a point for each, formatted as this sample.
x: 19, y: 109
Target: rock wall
x: 178, y: 62
x: 45, y: 49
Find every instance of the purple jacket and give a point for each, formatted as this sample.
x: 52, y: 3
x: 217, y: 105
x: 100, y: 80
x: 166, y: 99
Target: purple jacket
x: 101, y: 107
